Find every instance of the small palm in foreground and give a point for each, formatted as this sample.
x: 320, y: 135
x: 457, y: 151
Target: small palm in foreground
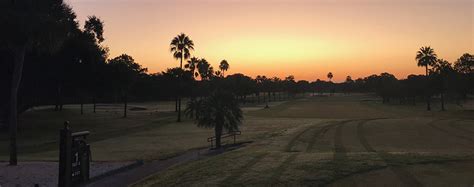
x: 220, y: 111
x: 192, y: 108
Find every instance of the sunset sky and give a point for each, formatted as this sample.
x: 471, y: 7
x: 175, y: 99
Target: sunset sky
x: 304, y: 38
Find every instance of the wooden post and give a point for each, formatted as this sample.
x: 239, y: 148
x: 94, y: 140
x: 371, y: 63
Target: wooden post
x: 65, y: 167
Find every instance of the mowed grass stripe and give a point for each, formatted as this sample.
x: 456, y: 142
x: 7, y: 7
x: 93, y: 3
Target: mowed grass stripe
x: 340, y: 152
x: 275, y: 178
x: 317, y: 134
x: 454, y: 125
x: 240, y: 171
x: 448, y: 132
x: 404, y: 176
x: 293, y: 141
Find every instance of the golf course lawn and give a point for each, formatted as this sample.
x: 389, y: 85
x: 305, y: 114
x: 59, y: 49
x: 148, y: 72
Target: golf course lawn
x: 340, y: 140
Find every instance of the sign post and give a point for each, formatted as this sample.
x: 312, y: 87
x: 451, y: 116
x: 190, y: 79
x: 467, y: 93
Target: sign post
x: 74, y: 157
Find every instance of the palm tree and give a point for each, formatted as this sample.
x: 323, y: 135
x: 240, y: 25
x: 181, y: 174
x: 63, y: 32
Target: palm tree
x: 181, y: 46
x: 192, y: 108
x: 206, y: 71
x: 349, y: 79
x: 220, y: 111
x: 224, y: 66
x: 426, y: 57
x: 330, y: 76
x: 192, y: 66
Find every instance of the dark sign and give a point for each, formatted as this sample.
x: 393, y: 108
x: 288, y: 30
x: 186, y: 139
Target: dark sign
x: 74, y: 157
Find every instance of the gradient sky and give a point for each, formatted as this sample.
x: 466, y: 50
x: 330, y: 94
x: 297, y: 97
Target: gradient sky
x: 304, y: 38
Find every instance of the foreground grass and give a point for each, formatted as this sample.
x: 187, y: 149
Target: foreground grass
x: 255, y: 167
x: 145, y: 134
x: 396, y: 144
x: 302, y: 142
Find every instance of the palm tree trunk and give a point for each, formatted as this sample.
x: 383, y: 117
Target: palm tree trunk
x: 19, y: 59
x: 179, y: 87
x: 58, y: 98
x: 94, y: 102
x: 266, y: 101
x: 176, y: 104
x: 218, y: 134
x: 179, y: 109
x: 82, y: 105
x: 428, y: 103
x: 181, y: 60
x: 442, y: 101
x: 125, y: 106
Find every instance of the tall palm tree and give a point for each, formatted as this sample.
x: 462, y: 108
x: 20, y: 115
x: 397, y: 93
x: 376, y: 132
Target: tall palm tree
x: 223, y: 66
x: 181, y: 46
x: 426, y: 57
x: 220, y: 111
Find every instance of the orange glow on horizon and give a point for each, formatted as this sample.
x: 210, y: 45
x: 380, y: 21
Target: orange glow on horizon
x: 304, y: 38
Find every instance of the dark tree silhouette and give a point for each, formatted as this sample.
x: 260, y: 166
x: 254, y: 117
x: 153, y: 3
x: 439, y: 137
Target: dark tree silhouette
x: 193, y: 107
x: 125, y: 72
x: 349, y: 79
x: 220, y: 111
x: 426, y: 57
x: 263, y: 84
x: 206, y: 71
x: 192, y: 66
x: 223, y: 66
x: 181, y: 47
x: 94, y: 29
x: 330, y: 76
x: 442, y: 69
x: 27, y: 24
x: 465, y: 64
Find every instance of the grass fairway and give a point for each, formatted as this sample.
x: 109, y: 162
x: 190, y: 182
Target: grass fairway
x: 342, y: 141
x: 145, y: 134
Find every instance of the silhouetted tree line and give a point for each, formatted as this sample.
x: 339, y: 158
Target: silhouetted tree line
x: 46, y: 58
